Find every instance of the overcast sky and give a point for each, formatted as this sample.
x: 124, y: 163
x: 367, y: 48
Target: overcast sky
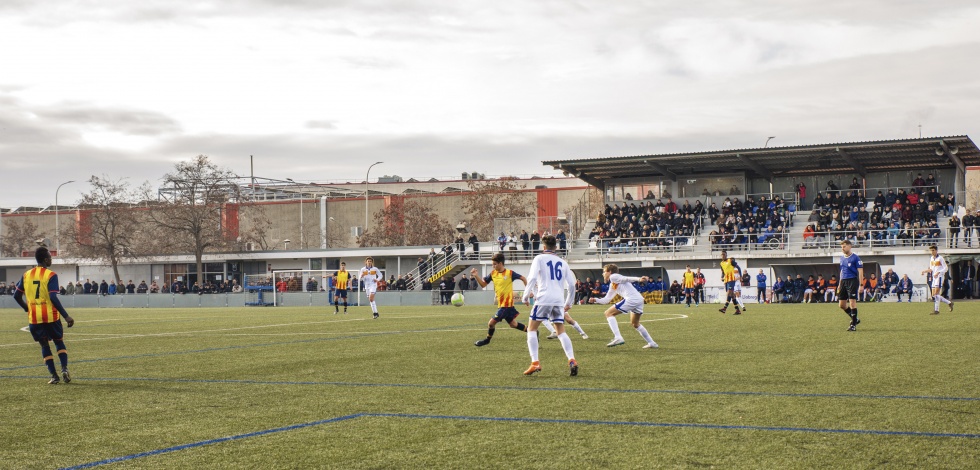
x: 318, y: 90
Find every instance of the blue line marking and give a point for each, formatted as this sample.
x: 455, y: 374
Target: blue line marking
x: 510, y: 388
x: 725, y: 427
x: 212, y: 441
x: 678, y: 425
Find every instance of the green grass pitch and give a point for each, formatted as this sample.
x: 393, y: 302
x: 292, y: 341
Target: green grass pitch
x: 782, y: 386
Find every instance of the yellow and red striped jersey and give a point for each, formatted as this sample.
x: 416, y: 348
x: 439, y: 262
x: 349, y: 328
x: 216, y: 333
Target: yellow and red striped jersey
x: 728, y: 270
x: 37, y: 286
x: 503, y: 286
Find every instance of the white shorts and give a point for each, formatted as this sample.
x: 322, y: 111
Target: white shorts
x: 808, y: 291
x: 369, y: 290
x: 630, y: 306
x: 937, y: 282
x: 552, y: 313
x: 738, y: 286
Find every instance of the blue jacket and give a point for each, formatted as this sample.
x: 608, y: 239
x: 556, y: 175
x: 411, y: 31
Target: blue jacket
x: 761, y: 280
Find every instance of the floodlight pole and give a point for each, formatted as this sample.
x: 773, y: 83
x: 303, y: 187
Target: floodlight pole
x: 57, y: 227
x: 366, y: 178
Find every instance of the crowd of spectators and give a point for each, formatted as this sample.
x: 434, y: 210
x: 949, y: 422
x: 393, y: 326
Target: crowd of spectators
x: 741, y: 224
x: 895, y: 218
x: 647, y: 226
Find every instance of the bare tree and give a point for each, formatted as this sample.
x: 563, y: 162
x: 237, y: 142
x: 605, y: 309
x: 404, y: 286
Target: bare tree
x: 489, y: 200
x: 259, y: 232
x: 407, y: 223
x: 19, y: 236
x: 194, y: 197
x: 108, y: 230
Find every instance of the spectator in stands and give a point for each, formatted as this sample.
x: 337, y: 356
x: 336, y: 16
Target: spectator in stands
x: 460, y: 245
x: 809, y: 237
x: 426, y: 285
x: 821, y: 289
x: 856, y: 188
x: 464, y: 282
x: 562, y: 241
x: 130, y: 287
x: 475, y: 244
x: 142, y: 288
x: 889, y: 280
x: 525, y: 242
x: 954, y: 231
x: 512, y: 242
x: 104, y: 288
x: 535, y: 243
x: 502, y: 241
x: 734, y: 191
x: 918, y: 183
x: 905, y: 286
x: 675, y: 292
x: 112, y: 289
x: 760, y: 285
x: 930, y: 180
x: 629, y: 197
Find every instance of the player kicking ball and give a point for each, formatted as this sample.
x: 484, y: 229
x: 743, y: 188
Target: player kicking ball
x: 369, y: 282
x: 937, y: 264
x: 503, y: 290
x: 632, y: 303
x: 553, y: 286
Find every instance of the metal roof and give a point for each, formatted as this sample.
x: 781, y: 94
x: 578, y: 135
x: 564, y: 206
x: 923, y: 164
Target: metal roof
x: 772, y: 162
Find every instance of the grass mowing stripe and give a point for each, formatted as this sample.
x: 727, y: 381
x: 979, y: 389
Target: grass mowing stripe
x: 723, y: 427
x: 512, y: 388
x: 247, y: 346
x: 212, y: 441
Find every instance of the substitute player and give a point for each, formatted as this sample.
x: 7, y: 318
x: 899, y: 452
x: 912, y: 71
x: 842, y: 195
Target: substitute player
x: 730, y: 276
x: 632, y: 303
x: 938, y: 268
x: 690, y: 286
x: 503, y: 290
x: 851, y: 282
x: 40, y: 287
x: 369, y: 277
x: 553, y: 286
x: 342, y: 281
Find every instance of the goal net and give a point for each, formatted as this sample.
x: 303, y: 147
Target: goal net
x: 311, y: 287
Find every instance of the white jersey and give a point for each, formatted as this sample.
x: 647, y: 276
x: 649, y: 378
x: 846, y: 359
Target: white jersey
x: 369, y: 278
x: 937, y: 265
x: 622, y: 285
x: 551, y: 281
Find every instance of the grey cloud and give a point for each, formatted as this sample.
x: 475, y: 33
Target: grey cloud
x: 124, y: 121
x: 372, y: 62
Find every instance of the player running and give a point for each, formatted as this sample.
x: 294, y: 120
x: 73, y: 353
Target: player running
x: 938, y: 267
x: 40, y: 285
x: 369, y: 282
x: 342, y: 282
x: 553, y: 286
x: 851, y: 282
x: 730, y: 276
x: 690, y: 285
x: 632, y: 303
x: 503, y: 289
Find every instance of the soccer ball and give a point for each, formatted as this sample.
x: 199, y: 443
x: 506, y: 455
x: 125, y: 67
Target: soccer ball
x: 457, y: 299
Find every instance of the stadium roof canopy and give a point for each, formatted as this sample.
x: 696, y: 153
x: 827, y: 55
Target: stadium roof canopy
x: 774, y: 162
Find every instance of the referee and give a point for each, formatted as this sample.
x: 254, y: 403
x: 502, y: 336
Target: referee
x: 851, y: 282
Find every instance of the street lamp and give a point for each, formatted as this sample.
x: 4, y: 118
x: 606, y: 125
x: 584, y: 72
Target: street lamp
x: 57, y: 227
x: 366, y: 178
x: 767, y: 141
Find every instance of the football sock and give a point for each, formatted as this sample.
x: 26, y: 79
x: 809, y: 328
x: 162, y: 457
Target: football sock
x: 578, y: 328
x: 941, y: 299
x: 336, y: 306
x: 374, y: 307
x: 62, y: 353
x: 645, y: 334
x: 521, y: 326
x: 532, y: 345
x: 614, y: 326
x: 547, y: 324
x: 847, y: 311
x: 490, y: 332
x: 936, y: 302
x: 48, y: 358
x: 854, y: 315
x: 738, y: 300
x: 566, y: 344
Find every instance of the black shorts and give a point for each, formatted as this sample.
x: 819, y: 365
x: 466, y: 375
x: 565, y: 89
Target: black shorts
x: 506, y: 314
x: 43, y: 332
x: 848, y: 289
x: 342, y: 293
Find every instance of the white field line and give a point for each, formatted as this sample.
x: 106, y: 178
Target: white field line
x: 110, y: 336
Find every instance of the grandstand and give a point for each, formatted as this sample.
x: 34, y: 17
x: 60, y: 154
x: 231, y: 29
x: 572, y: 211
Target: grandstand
x: 683, y: 208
